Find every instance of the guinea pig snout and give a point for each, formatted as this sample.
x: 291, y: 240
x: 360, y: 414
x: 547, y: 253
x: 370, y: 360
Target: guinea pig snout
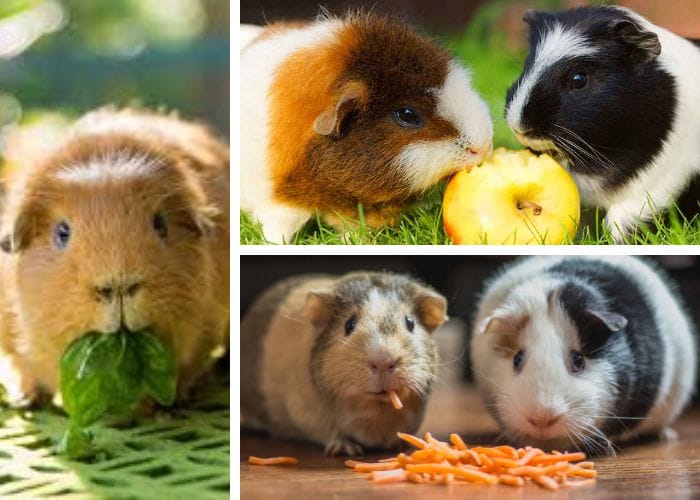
x: 544, y: 420
x: 110, y: 290
x: 383, y: 364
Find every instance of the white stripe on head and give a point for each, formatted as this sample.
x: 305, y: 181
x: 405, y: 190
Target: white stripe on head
x: 558, y: 43
x: 460, y: 105
x: 120, y: 166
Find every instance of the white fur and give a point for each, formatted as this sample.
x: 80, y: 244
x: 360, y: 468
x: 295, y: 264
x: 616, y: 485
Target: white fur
x: 547, y: 384
x: 248, y: 33
x: 558, y: 43
x: 459, y: 104
x: 425, y: 163
x: 259, y: 61
x: 665, y: 177
x: 121, y: 166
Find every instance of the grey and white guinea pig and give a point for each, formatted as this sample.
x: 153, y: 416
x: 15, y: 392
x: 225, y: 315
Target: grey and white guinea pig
x: 583, y: 351
x: 319, y: 354
x: 616, y: 99
x: 341, y: 111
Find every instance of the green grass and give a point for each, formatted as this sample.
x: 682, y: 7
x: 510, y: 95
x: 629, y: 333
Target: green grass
x: 494, y: 68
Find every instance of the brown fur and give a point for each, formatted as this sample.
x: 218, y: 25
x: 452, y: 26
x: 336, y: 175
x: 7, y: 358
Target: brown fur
x: 395, y: 66
x: 50, y: 294
x: 312, y: 379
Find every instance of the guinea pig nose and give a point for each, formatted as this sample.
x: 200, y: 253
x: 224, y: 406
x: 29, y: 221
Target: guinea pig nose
x: 130, y: 289
x: 105, y: 292
x: 480, y: 150
x: 544, y: 421
x: 384, y: 365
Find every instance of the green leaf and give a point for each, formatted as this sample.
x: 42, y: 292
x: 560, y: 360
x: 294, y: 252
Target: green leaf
x: 158, y: 368
x: 109, y: 374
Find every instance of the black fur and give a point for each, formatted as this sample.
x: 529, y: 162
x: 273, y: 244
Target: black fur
x: 626, y: 110
x: 636, y: 351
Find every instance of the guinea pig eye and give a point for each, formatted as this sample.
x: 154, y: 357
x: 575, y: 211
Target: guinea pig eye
x: 518, y: 361
x: 410, y: 323
x: 159, y: 225
x: 578, y: 80
x: 578, y: 362
x: 61, y: 234
x: 350, y: 325
x: 407, y: 117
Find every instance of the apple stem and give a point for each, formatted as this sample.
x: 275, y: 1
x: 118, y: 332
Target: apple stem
x: 536, y: 209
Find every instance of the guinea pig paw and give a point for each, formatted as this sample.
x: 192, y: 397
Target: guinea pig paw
x: 343, y: 446
x: 668, y: 435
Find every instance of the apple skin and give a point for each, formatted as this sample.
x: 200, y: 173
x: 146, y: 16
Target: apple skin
x: 481, y: 203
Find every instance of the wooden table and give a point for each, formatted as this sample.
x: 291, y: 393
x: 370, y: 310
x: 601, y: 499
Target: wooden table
x: 651, y: 470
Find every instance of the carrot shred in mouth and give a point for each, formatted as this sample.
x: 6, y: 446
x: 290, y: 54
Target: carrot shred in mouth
x: 439, y: 462
x: 395, y: 401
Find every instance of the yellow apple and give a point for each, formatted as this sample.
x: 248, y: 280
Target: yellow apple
x: 513, y: 197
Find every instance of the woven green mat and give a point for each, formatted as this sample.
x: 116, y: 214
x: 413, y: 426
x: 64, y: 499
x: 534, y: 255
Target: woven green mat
x: 179, y: 454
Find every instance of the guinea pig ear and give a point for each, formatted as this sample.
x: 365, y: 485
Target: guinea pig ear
x: 431, y: 308
x: 320, y: 307
x: 350, y: 99
x: 20, y: 231
x: 642, y: 41
x: 501, y: 322
x: 531, y: 17
x: 612, y: 321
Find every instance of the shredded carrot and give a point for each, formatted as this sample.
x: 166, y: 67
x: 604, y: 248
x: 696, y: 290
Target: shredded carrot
x: 564, y: 457
x: 457, y: 441
x: 440, y: 462
x: 413, y: 440
x: 273, y: 460
x: 546, y: 482
x: 511, y: 480
x: 395, y: 401
x: 389, y: 476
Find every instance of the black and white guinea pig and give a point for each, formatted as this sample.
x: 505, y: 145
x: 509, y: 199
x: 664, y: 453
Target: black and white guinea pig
x: 583, y: 351
x: 617, y: 100
x: 341, y: 111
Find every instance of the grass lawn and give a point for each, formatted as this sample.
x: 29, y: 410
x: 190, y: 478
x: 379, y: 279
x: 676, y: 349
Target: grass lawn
x: 494, y: 69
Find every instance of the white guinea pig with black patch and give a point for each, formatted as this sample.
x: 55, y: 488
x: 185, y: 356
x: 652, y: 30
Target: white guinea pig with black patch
x: 617, y: 100
x: 583, y: 351
x: 342, y: 111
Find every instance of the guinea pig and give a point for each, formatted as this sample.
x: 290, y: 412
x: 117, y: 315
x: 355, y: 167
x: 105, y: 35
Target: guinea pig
x: 123, y: 225
x: 320, y: 355
x: 342, y: 111
x: 583, y: 351
x: 616, y: 99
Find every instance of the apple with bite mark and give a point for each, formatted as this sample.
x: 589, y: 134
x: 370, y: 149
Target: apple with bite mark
x: 512, y: 198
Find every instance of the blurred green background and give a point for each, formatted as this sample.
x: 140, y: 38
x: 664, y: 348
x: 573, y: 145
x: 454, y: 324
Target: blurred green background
x: 69, y: 56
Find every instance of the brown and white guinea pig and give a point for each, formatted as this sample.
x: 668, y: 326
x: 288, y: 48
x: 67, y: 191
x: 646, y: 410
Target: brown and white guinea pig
x: 319, y: 355
x: 125, y: 224
x: 342, y: 111
x: 616, y: 98
x: 583, y: 351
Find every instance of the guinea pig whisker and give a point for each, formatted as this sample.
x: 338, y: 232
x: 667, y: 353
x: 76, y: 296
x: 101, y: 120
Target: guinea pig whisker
x: 490, y: 380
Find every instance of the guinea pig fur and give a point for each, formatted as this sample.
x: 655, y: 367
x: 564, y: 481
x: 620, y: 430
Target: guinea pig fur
x: 616, y: 99
x: 319, y: 354
x: 583, y: 351
x: 124, y: 225
x: 350, y: 110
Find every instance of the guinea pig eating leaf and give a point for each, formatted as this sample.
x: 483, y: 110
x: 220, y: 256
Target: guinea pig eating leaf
x: 109, y: 374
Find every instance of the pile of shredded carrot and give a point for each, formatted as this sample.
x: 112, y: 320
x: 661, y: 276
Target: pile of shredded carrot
x: 439, y: 462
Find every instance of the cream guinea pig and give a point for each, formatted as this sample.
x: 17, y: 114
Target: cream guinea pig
x: 125, y: 224
x: 319, y: 354
x: 341, y: 111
